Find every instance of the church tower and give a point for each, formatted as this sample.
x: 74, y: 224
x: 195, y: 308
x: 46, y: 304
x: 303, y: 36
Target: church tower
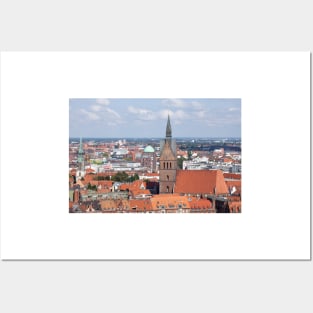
x: 168, y: 161
x: 81, y: 160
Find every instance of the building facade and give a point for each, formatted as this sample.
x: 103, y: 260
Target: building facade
x: 148, y: 159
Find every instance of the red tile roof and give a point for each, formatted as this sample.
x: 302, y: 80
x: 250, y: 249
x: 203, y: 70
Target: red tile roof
x: 151, y: 174
x: 200, y: 182
x: 235, y: 206
x: 136, y: 185
x: 200, y: 203
x: 114, y: 205
x: 232, y: 176
x: 138, y: 192
x: 234, y: 183
x: 103, y: 183
x: 170, y: 202
x: 140, y: 205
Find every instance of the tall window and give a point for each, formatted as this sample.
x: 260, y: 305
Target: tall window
x: 167, y: 188
x: 168, y: 178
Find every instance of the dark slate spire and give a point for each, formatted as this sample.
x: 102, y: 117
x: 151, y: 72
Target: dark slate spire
x: 168, y: 127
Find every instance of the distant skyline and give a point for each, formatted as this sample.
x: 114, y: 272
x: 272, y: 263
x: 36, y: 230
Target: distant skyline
x: 132, y: 117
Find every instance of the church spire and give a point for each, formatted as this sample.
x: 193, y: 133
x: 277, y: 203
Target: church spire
x: 168, y: 127
x: 80, y: 146
x: 80, y: 152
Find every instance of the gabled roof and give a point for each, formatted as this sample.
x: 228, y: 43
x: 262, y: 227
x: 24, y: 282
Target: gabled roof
x: 135, y: 185
x: 200, y: 182
x: 139, y: 192
x: 234, y: 185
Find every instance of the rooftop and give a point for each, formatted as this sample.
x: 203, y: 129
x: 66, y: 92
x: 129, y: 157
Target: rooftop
x: 200, y: 182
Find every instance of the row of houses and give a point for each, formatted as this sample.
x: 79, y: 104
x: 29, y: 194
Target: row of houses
x: 194, y: 191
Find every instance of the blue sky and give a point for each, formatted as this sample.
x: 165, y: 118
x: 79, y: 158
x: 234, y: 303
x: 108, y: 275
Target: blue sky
x: 147, y: 117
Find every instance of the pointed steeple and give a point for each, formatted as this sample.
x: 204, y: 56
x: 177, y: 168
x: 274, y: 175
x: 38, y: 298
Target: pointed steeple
x: 80, y: 151
x: 168, y: 128
x: 80, y: 145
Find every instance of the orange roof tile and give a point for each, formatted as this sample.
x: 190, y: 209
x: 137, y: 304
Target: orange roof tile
x: 102, y: 183
x: 200, y: 203
x: 169, y: 201
x: 141, y: 205
x: 232, y: 176
x: 137, y: 192
x: 151, y: 174
x: 234, y: 183
x: 234, y: 206
x: 200, y: 182
x: 136, y: 185
x: 115, y: 205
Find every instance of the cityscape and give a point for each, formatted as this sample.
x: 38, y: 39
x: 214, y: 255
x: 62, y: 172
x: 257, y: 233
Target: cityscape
x: 164, y: 174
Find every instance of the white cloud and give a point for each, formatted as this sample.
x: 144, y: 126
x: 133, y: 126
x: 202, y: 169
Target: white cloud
x: 97, y: 113
x: 197, y: 105
x: 163, y: 114
x: 233, y: 109
x: 148, y: 115
x: 180, y: 115
x: 142, y: 114
x: 112, y: 113
x: 90, y: 115
x: 103, y: 101
x: 176, y: 103
x: 96, y: 108
x: 200, y: 114
x: 134, y: 110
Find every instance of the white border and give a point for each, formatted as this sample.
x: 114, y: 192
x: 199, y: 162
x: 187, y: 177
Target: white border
x: 275, y: 93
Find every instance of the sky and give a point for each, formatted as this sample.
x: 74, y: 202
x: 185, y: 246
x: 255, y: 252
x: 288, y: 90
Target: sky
x: 147, y: 118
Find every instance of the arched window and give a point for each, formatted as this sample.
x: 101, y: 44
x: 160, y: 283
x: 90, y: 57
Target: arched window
x: 168, y: 178
x: 167, y: 188
x: 164, y: 165
x: 170, y: 164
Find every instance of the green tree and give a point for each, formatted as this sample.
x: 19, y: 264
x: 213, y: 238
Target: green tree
x: 180, y: 162
x: 92, y: 187
x: 120, y: 176
x: 189, y: 155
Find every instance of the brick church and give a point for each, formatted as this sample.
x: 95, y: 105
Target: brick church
x: 206, y: 184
